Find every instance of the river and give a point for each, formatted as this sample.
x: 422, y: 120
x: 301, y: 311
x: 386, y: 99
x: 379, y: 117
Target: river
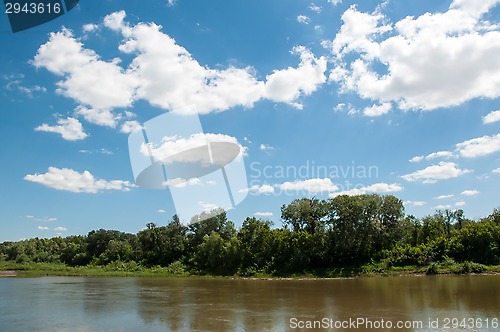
x: 428, y: 303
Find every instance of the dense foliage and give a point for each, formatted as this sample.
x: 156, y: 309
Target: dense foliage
x: 317, y: 235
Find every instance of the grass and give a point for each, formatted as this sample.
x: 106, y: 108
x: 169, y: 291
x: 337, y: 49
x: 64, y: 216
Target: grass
x: 177, y: 269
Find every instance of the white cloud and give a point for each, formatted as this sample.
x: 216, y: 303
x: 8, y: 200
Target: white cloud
x: 461, y: 203
x: 377, y: 110
x: 374, y: 188
x: 86, y: 78
x: 130, y: 126
x: 444, y: 196
x: 208, y: 207
x: 431, y: 174
x: 44, y: 219
x: 335, y: 2
x: 170, y: 3
x: 164, y: 74
x: 434, y: 155
x: 303, y: 19
x: 417, y: 159
x: 440, y: 154
x: 496, y: 170
x: 60, y: 229
x: 73, y: 181
x: 264, y: 189
x: 263, y: 214
x: 100, y: 117
x: 469, y: 192
x: 265, y: 147
x: 429, y: 62
x: 414, y: 203
x: 43, y: 228
x: 181, y: 183
x: 442, y: 207
x: 479, y: 147
x: 170, y: 78
x: 287, y: 85
x: 162, y: 211
x: 350, y: 192
x: 70, y: 129
x: 311, y: 185
x: 315, y: 8
x: 492, y: 117
x: 383, y: 188
x: 89, y: 27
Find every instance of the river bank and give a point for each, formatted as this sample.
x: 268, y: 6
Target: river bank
x: 12, y: 269
x: 8, y: 274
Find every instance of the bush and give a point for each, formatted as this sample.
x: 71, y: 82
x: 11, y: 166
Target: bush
x: 176, y: 268
x: 433, y: 268
x: 471, y: 267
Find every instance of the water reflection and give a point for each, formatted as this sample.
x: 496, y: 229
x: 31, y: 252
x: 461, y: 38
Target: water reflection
x: 195, y: 304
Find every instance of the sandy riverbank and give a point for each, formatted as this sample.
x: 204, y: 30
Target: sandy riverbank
x: 8, y: 273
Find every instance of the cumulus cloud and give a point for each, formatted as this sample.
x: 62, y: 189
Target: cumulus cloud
x: 473, y: 148
x: 440, y: 154
x: 492, y: 117
x: 43, y: 228
x: 70, y: 180
x: 60, y: 229
x: 90, y: 27
x: 335, y: 2
x: 434, y: 173
x: 496, y: 170
x: 164, y: 74
x: 374, y: 188
x: 208, y: 207
x: 287, y: 85
x: 303, y: 19
x: 70, y: 129
x: 100, y: 117
x: 263, y: 189
x: 417, y: 159
x: 444, y: 196
x: 265, y: 147
x: 460, y: 203
x: 263, y: 214
x: 434, y: 155
x: 434, y: 60
x: 479, y: 147
x: 442, y: 207
x: 469, y: 192
x: 315, y: 8
x: 169, y: 77
x: 181, y: 183
x: 311, y: 185
x: 414, y: 203
x: 377, y: 110
x: 130, y: 126
x: 89, y: 80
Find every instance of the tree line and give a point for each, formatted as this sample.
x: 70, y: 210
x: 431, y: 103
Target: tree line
x: 317, y: 235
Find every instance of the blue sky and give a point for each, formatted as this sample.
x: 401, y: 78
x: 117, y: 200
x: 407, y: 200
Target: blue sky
x: 405, y: 94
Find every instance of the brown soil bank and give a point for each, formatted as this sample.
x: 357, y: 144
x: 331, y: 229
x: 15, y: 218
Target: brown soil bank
x: 8, y: 273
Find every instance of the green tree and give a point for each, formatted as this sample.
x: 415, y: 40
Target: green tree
x: 255, y: 243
